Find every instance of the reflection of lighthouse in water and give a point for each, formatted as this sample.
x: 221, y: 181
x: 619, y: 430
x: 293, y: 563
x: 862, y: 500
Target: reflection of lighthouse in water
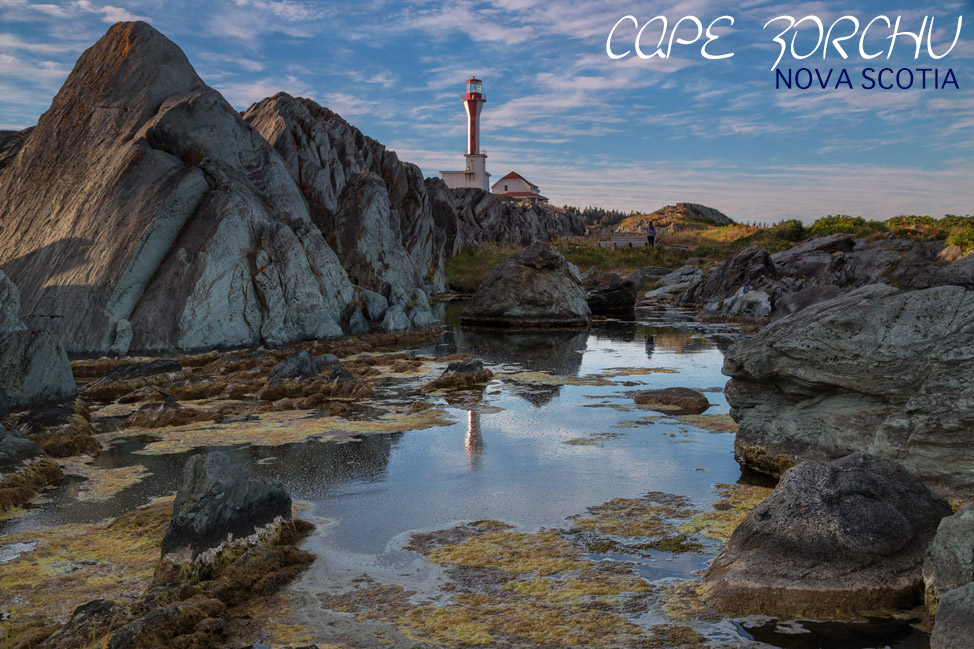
x: 474, y: 442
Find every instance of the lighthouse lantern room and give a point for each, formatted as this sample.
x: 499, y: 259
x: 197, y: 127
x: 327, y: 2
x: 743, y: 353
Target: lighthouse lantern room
x: 475, y: 175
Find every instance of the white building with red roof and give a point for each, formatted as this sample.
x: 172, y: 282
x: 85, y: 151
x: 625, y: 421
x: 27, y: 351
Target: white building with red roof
x: 517, y: 186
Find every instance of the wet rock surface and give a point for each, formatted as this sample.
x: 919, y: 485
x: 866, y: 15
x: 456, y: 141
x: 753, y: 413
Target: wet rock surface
x: 876, y: 369
x: 536, y: 287
x: 217, y: 505
x: 949, y: 562
x: 833, y: 541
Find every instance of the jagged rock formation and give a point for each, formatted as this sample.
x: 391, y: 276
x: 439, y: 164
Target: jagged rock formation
x: 535, y: 287
x: 33, y: 365
x: 392, y: 229
x: 755, y: 284
x: 877, y: 370
x: 143, y: 213
x: 832, y: 541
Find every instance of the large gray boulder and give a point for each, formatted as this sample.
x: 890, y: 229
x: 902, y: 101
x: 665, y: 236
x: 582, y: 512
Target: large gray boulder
x: 536, y: 287
x: 954, y: 626
x: 219, y: 506
x: 876, y: 370
x: 143, y: 213
x: 833, y: 541
x: 949, y: 561
x: 616, y: 296
x: 34, y: 367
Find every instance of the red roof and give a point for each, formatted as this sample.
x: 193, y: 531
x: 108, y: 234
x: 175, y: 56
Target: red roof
x: 516, y: 176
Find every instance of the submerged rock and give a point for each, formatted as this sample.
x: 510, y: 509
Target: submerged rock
x: 954, y: 627
x: 218, y: 507
x: 536, y: 287
x: 949, y: 562
x: 832, y: 541
x: 876, y: 370
x: 676, y: 401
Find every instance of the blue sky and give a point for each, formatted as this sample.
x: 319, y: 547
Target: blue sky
x: 627, y: 134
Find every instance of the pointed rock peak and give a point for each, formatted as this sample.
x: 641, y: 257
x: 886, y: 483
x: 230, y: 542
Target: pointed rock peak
x: 130, y: 71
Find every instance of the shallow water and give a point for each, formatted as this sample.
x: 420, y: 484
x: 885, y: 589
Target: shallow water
x: 505, y: 459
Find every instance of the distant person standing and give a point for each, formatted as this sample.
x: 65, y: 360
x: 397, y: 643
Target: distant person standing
x: 651, y: 235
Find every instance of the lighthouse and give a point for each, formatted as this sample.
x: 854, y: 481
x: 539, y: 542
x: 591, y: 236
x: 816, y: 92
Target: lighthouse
x: 475, y: 174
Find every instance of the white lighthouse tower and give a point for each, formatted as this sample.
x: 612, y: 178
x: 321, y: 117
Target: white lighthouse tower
x: 475, y: 174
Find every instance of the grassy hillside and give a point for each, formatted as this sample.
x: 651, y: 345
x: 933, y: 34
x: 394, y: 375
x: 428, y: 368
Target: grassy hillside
x: 680, y: 217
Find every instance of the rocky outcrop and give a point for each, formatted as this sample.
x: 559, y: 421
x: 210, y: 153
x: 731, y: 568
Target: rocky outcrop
x: 484, y: 218
x: 833, y: 541
x: 219, y: 507
x: 675, y: 401
x: 757, y: 285
x: 123, y: 379
x: 460, y: 375
x: 675, y: 283
x: 616, y: 296
x: 876, y: 370
x: 535, y: 287
x: 949, y: 561
x: 954, y: 627
x: 34, y: 367
x: 373, y: 207
x: 144, y: 213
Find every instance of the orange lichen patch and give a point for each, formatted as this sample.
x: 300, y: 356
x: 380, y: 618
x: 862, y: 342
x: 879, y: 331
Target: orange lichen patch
x: 726, y: 513
x: 648, y: 516
x: 73, y: 564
